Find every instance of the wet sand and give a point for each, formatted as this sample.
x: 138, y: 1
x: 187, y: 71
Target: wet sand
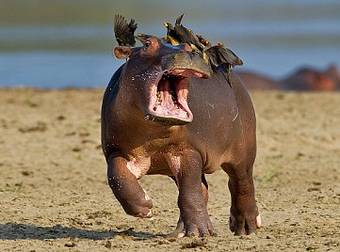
x: 54, y: 195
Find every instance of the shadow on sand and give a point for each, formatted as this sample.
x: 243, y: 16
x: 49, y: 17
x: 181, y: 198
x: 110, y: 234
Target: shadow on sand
x: 14, y: 231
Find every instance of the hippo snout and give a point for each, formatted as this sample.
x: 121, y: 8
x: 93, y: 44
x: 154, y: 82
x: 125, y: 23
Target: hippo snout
x: 186, y: 60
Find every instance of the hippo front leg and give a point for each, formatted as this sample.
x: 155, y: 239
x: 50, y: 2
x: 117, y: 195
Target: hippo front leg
x: 180, y: 230
x: 194, y: 217
x: 126, y: 188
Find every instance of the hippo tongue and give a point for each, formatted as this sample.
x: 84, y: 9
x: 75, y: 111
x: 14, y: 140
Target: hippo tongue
x: 171, y: 103
x: 168, y: 101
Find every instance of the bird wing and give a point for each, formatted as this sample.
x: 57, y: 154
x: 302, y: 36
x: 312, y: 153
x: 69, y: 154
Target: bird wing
x: 213, y: 56
x: 228, y: 56
x: 185, y: 35
x: 218, y: 55
x: 124, y: 31
x: 179, y: 20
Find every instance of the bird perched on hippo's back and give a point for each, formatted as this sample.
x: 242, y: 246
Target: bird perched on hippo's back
x: 217, y: 55
x: 179, y: 34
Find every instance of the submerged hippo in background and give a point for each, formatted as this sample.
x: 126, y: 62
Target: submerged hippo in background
x: 333, y: 73
x: 303, y: 79
x: 164, y: 112
x: 310, y: 79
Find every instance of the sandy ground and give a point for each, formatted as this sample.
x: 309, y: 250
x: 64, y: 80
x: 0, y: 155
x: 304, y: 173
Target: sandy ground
x: 54, y: 195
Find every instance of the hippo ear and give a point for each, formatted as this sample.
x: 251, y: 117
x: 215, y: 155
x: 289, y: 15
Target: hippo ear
x: 122, y: 52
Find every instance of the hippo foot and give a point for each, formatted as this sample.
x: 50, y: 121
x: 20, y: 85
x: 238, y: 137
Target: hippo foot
x: 140, y: 207
x: 135, y: 202
x: 244, y: 224
x: 198, y: 226
x: 141, y: 212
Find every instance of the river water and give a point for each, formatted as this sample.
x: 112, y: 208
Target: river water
x: 68, y: 43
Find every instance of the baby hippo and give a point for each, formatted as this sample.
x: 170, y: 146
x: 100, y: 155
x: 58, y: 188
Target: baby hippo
x: 165, y: 112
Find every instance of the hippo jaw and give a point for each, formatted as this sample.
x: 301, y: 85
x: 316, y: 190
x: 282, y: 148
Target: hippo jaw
x: 168, y: 102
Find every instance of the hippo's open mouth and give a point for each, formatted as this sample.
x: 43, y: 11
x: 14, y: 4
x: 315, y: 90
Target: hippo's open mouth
x: 169, y: 97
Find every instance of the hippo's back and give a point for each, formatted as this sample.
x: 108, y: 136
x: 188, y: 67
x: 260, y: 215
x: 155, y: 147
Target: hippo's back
x: 224, y: 118
x: 108, y: 99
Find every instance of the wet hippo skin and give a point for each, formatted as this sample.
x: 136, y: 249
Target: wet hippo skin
x: 165, y: 112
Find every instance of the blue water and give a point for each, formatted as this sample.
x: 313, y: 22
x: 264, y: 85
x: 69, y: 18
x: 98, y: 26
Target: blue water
x: 56, y: 69
x: 272, y: 37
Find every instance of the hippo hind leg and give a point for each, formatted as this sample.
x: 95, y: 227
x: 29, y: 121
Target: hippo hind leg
x: 126, y: 188
x: 244, y: 215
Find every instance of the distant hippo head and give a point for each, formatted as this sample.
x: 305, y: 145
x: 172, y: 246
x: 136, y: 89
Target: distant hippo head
x: 156, y: 78
x: 308, y: 78
x: 333, y: 72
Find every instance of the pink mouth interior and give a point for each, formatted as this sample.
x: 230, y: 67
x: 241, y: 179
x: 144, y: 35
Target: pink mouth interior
x: 170, y: 100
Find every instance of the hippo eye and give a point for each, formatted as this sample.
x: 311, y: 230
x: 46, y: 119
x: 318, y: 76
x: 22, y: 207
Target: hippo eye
x: 147, y: 44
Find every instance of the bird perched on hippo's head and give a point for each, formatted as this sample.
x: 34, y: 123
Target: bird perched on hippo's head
x: 217, y: 56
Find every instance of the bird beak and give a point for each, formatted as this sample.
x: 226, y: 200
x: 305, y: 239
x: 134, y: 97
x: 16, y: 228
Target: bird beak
x: 172, y: 40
